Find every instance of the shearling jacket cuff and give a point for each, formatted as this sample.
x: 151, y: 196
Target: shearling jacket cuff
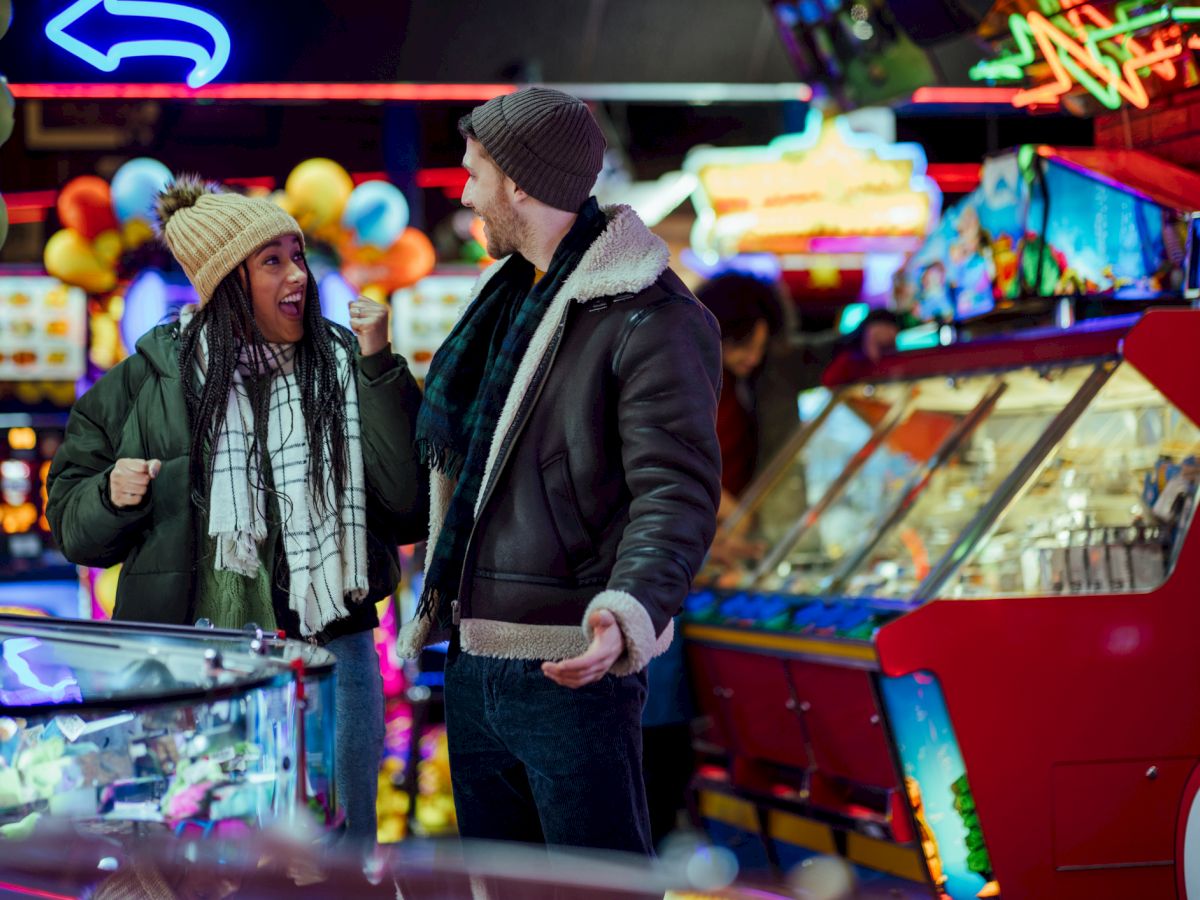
x: 414, y: 636
x: 641, y: 643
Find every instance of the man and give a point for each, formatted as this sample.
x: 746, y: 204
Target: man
x: 569, y: 423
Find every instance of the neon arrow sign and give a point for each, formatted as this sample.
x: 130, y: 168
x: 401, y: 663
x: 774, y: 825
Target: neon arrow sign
x: 1083, y: 46
x: 207, y: 65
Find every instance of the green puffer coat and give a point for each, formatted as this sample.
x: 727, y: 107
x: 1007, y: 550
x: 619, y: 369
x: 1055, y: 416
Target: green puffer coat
x: 138, y: 411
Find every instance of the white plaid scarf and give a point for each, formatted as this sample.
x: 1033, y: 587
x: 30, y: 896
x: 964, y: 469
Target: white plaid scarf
x: 326, y: 557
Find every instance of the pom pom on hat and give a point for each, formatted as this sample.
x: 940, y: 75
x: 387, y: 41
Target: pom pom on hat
x: 182, y: 193
x: 210, y: 231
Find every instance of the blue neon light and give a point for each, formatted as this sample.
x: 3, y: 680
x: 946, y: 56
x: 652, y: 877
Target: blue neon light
x: 207, y: 66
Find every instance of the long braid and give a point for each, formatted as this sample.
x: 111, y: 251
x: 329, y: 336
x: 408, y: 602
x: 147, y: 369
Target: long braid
x: 323, y: 399
x: 228, y: 322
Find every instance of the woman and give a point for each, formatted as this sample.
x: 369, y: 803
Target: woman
x: 247, y: 465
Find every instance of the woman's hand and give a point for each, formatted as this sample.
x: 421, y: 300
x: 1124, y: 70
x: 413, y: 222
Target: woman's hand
x: 369, y: 322
x: 130, y: 479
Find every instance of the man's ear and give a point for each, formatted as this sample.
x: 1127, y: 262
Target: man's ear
x: 515, y: 194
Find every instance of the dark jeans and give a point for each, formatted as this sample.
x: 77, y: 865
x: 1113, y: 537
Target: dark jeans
x: 359, y: 731
x: 535, y: 762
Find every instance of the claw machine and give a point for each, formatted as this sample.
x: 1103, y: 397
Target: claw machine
x: 965, y: 664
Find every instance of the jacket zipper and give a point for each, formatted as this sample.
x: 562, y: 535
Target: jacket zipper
x: 502, y: 457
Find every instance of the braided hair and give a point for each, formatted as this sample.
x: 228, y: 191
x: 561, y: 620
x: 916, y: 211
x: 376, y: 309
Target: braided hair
x: 233, y: 337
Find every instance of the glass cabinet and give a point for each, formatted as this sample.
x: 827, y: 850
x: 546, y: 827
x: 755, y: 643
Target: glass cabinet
x: 180, y: 727
x: 1074, y: 477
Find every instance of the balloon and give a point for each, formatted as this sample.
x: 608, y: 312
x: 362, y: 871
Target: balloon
x: 5, y: 16
x: 7, y: 104
x: 283, y: 201
x: 145, y: 307
x: 3, y: 221
x: 107, y: 247
x: 69, y: 257
x: 104, y: 589
x: 375, y: 292
x: 135, y: 232
x: 376, y: 213
x: 319, y: 188
x: 406, y: 262
x: 85, y: 204
x: 135, y: 185
x: 336, y: 296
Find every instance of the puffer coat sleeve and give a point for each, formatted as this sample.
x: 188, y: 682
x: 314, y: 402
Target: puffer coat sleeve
x: 89, y: 529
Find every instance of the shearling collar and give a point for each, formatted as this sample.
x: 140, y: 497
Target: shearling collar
x: 626, y: 258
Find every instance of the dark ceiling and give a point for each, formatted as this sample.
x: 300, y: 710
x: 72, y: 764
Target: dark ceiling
x: 437, y: 40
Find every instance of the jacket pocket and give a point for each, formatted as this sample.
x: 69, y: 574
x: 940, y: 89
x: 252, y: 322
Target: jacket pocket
x: 564, y: 510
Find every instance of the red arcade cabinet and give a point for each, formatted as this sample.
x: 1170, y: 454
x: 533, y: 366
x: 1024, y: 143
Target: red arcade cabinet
x: 967, y: 661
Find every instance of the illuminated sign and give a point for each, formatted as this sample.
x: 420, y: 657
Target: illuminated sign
x: 43, y: 330
x: 1108, y: 57
x: 826, y: 190
x: 206, y: 65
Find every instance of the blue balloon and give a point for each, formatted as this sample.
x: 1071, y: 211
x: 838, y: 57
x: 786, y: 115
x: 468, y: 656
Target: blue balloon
x: 134, y: 187
x: 145, y: 306
x: 336, y: 295
x: 376, y: 213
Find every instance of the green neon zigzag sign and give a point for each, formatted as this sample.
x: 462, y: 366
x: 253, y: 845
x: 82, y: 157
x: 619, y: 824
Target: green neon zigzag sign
x: 1012, y: 66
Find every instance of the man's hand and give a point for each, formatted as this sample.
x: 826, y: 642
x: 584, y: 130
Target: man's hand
x: 606, y: 648
x: 369, y: 321
x: 130, y: 479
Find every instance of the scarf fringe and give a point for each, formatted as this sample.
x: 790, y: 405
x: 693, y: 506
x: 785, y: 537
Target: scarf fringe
x: 433, y: 605
x: 440, y: 459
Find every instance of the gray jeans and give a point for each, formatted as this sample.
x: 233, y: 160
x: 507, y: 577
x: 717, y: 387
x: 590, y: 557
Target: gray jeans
x: 359, y: 729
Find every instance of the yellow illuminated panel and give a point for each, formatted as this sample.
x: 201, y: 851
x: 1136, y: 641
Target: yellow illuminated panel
x: 827, y: 182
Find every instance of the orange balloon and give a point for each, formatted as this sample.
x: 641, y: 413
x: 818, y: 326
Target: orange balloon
x: 406, y: 262
x: 410, y: 258
x: 85, y: 204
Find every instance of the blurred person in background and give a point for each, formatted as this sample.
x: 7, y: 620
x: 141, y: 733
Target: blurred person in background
x: 768, y: 362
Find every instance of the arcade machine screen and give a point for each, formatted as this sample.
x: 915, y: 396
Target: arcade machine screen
x: 1098, y: 239
x: 935, y: 780
x: 970, y: 260
x: 1042, y: 225
x: 43, y: 328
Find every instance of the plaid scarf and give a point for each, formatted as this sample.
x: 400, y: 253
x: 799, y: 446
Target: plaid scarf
x: 326, y: 555
x: 468, y: 382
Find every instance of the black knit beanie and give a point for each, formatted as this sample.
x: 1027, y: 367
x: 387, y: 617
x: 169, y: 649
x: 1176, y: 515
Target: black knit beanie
x: 544, y: 140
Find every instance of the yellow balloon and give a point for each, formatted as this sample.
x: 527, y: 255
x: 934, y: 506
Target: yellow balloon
x: 106, y: 588
x: 135, y: 232
x: 319, y: 189
x: 283, y: 201
x: 107, y: 246
x: 69, y: 257
x: 376, y: 293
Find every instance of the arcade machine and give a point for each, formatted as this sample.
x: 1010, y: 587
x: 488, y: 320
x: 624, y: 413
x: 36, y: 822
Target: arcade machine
x: 43, y: 343
x: 965, y: 660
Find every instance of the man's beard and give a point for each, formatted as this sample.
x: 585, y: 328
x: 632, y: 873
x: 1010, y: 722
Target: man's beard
x: 503, y: 230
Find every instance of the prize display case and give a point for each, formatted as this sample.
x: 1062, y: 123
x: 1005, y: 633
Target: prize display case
x: 962, y: 657
x: 122, y: 728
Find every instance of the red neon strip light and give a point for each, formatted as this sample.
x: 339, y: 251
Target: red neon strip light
x: 266, y: 182
x: 30, y: 200
x: 33, y: 892
x: 973, y: 96
x: 26, y: 216
x: 954, y: 178
x: 453, y: 178
x: 263, y: 91
x: 26, y: 207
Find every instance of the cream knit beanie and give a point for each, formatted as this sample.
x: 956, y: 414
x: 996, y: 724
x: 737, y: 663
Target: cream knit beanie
x: 210, y: 231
